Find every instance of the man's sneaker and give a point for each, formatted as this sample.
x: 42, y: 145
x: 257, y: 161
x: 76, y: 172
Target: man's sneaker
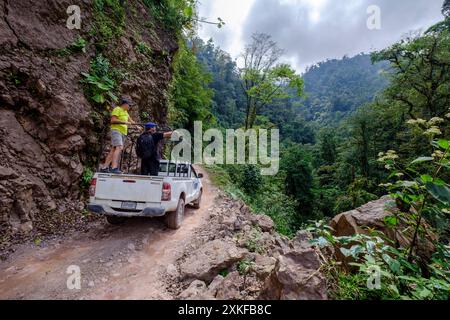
x: 105, y: 170
x: 116, y: 171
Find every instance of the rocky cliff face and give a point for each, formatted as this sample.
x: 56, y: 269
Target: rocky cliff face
x: 49, y: 131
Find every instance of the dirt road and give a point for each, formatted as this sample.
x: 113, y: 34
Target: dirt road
x: 116, y: 262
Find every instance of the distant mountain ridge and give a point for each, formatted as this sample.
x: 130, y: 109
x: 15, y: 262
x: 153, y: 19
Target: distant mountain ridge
x: 336, y: 88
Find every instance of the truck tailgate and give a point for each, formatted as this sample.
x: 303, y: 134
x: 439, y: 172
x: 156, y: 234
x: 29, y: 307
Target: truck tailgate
x: 128, y: 188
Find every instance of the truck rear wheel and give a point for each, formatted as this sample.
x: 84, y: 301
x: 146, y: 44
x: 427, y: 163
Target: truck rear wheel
x: 115, y: 220
x: 175, y: 218
x: 196, y: 203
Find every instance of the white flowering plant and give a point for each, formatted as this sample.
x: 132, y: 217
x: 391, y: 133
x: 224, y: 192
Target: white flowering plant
x: 398, y: 278
x: 420, y: 188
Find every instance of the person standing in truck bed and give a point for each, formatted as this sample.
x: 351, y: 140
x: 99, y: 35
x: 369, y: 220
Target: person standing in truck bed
x: 120, y: 120
x: 147, y: 149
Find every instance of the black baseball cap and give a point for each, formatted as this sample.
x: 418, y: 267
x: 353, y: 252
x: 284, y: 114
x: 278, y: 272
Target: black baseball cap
x: 126, y: 101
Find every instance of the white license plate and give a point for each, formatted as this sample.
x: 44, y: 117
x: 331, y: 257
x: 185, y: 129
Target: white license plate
x: 129, y: 205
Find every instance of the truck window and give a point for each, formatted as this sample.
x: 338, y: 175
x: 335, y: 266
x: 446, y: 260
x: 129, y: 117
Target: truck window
x: 183, y: 170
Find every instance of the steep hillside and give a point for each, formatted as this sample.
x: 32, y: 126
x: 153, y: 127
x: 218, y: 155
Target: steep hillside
x: 52, y: 127
x: 336, y: 88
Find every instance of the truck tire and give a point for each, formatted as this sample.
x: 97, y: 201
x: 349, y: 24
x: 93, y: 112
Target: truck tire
x: 196, y: 203
x: 175, y: 218
x: 115, y: 220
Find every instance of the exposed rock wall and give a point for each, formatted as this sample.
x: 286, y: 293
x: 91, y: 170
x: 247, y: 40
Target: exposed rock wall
x: 47, y: 130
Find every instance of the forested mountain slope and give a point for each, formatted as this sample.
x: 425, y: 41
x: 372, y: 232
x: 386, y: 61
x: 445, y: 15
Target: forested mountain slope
x: 336, y: 88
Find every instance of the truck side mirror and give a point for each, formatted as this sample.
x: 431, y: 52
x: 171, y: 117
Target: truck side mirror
x: 200, y: 175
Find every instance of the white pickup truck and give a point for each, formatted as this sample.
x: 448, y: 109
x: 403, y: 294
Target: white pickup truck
x: 119, y: 196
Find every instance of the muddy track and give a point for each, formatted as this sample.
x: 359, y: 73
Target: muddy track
x: 116, y: 262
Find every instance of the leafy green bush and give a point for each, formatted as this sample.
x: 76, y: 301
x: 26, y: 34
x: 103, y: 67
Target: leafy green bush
x: 250, y: 180
x: 174, y: 15
x: 399, y: 278
x: 86, y: 177
x: 421, y: 185
x: 99, y: 83
x: 109, y: 20
x: 77, y: 46
x: 144, y: 49
x: 244, y: 266
x: 325, y: 200
x: 254, y: 243
x: 280, y: 208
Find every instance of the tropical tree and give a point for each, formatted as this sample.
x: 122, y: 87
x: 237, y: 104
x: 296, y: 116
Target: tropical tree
x: 420, y: 81
x: 263, y: 80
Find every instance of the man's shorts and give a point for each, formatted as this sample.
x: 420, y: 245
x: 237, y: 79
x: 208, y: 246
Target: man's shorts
x: 117, y: 138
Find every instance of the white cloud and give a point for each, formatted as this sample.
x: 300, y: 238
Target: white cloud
x: 313, y: 30
x: 234, y: 13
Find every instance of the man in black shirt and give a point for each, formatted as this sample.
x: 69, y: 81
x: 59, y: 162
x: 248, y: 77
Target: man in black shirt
x: 147, y: 149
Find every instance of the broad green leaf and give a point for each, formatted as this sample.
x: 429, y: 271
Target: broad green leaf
x: 424, y: 293
x: 422, y: 159
x: 393, y: 264
x: 426, y: 178
x: 369, y: 259
x: 113, y: 96
x: 346, y: 252
x: 188, y: 11
x: 439, y: 192
x: 394, y: 288
x: 444, y: 144
x: 439, y: 182
x: 99, y: 98
x: 103, y: 86
x: 370, y: 245
x: 391, y: 221
x: 406, y: 184
x: 410, y: 279
x: 355, y: 250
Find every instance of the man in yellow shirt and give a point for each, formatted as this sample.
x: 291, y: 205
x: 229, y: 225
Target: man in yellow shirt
x: 120, y: 120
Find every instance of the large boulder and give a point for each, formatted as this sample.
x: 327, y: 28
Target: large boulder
x: 296, y: 276
x: 372, y: 216
x: 262, y: 221
x: 211, y: 258
x: 263, y: 266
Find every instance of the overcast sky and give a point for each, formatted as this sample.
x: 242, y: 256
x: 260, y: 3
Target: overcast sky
x: 313, y: 30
